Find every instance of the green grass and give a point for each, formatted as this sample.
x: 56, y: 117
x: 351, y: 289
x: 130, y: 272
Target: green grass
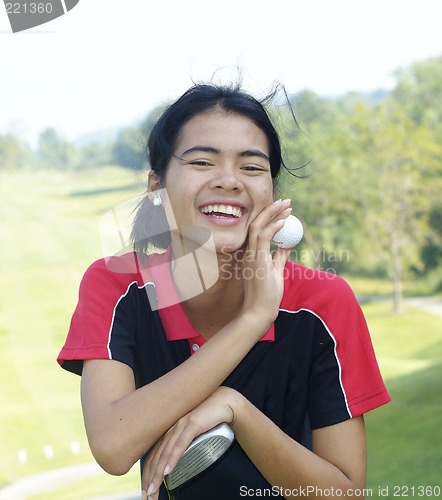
x: 406, y: 342
x: 416, y: 287
x: 49, y: 235
x: 405, y: 441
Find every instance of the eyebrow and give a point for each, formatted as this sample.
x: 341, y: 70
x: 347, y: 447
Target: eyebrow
x: 254, y: 152
x: 242, y: 154
x: 202, y: 149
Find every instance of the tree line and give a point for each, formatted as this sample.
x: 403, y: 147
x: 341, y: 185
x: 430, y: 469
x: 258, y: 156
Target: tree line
x: 364, y: 173
x: 373, y: 182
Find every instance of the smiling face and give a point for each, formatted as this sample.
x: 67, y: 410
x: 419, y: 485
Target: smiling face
x: 219, y: 177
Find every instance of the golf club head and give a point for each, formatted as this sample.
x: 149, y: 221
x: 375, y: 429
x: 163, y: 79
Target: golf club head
x: 202, y: 452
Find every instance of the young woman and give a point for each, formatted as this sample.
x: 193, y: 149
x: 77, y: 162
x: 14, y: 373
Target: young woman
x: 278, y: 351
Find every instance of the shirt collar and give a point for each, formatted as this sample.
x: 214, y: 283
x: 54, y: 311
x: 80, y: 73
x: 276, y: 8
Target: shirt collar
x: 175, y: 322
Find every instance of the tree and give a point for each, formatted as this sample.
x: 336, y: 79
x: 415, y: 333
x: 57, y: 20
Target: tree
x: 95, y: 154
x: 371, y: 186
x: 419, y: 91
x: 317, y: 151
x: 390, y: 185
x: 128, y: 148
x: 55, y: 152
x: 14, y: 154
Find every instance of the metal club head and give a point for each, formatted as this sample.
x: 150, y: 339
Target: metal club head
x: 203, y: 451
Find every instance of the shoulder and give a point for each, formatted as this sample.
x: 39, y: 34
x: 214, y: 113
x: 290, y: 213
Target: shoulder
x: 326, y: 296
x: 109, y: 280
x: 314, y: 289
x: 120, y: 270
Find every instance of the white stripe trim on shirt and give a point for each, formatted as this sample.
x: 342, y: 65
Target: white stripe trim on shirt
x: 334, y: 349
x: 109, y: 336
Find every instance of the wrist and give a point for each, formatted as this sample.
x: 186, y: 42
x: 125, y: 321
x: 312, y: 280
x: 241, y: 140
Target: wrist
x: 257, y: 320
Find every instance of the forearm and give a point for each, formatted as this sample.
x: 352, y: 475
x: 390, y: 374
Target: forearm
x: 122, y: 428
x: 289, y: 466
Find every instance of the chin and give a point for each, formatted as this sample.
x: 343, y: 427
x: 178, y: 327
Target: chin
x: 229, y: 246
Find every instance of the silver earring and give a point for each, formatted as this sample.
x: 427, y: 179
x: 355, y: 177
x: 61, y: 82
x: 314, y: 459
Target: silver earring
x: 156, y: 200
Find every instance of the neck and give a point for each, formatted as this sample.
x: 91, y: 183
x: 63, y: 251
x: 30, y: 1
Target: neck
x: 210, y: 286
x: 211, y: 275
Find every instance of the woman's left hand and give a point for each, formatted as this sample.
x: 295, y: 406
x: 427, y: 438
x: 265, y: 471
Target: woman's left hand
x: 163, y: 457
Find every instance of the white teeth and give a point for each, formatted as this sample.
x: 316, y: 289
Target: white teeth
x: 222, y: 209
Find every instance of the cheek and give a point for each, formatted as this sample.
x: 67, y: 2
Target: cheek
x: 265, y: 196
x: 176, y: 186
x: 182, y: 195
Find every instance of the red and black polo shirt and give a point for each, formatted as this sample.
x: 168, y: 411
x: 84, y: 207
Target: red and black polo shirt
x: 313, y: 368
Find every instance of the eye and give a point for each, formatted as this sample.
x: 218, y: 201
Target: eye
x: 254, y: 168
x: 195, y: 161
x: 200, y: 163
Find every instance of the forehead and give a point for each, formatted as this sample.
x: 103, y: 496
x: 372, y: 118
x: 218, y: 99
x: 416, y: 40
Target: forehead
x: 222, y: 130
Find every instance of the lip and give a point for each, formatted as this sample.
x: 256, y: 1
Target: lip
x: 233, y: 203
x: 225, y: 222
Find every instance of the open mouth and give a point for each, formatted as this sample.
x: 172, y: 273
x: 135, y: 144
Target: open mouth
x: 222, y: 211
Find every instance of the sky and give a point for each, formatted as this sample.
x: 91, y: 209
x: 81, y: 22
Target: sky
x: 107, y: 63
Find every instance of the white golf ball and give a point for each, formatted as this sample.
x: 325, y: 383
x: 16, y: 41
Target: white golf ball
x: 290, y: 234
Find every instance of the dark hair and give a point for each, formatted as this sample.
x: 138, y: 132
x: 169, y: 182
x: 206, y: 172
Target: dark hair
x: 164, y: 137
x: 199, y: 99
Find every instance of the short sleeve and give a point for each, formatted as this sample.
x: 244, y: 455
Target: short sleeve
x: 360, y: 373
x: 344, y: 379
x: 102, y: 324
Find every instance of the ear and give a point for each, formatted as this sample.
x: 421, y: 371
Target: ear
x: 153, y: 181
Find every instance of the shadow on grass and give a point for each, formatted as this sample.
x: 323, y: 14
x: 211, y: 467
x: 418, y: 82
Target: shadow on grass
x: 404, y: 437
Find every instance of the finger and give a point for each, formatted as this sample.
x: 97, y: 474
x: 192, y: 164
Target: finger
x: 151, y: 462
x: 158, y: 465
x: 267, y: 223
x: 151, y: 496
x: 280, y: 257
x: 145, y: 475
x: 274, y: 225
x: 269, y: 214
x: 262, y: 246
x: 167, y: 456
x: 174, y: 451
x: 273, y: 210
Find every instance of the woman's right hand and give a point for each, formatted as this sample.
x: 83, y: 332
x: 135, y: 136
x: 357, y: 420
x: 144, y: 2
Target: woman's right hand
x: 165, y: 454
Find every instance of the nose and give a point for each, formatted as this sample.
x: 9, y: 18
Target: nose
x: 227, y: 178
